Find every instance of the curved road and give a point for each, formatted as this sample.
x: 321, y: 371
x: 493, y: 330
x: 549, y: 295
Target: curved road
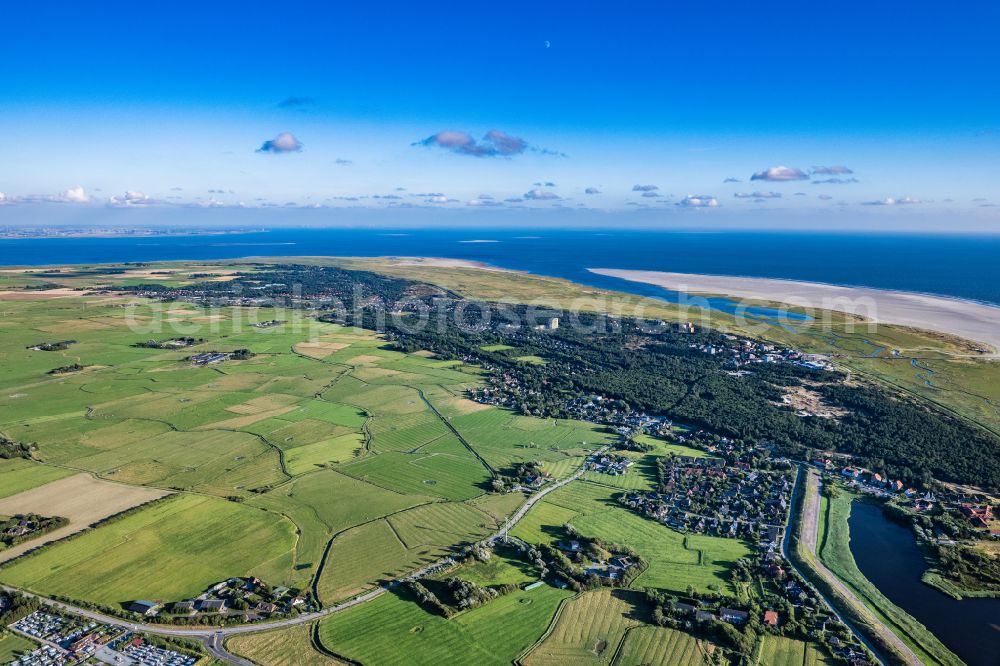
x: 213, y: 637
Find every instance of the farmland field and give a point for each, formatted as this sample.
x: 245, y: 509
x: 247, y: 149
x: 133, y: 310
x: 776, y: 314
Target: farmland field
x: 780, y: 651
x: 394, y: 631
x: 660, y: 646
x: 80, y: 498
x: 200, y: 539
x: 284, y: 647
x: 286, y: 431
x: 589, y: 629
x: 675, y: 560
x: 18, y: 475
x: 13, y: 645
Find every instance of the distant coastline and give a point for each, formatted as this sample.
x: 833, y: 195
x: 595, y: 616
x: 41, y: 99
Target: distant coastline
x: 962, y: 267
x: 968, y: 319
x: 14, y: 233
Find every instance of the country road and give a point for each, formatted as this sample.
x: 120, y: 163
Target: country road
x: 808, y: 542
x: 213, y: 637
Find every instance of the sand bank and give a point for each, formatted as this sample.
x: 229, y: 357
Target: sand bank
x: 970, y: 320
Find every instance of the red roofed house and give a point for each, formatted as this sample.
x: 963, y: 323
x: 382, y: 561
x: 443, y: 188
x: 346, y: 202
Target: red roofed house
x: 979, y: 516
x: 771, y: 618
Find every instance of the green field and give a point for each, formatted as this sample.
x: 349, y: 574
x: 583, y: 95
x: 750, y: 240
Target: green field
x: 310, y: 457
x: 200, y: 540
x: 660, y: 646
x: 13, y: 646
x: 589, y: 628
x: 284, y: 647
x: 780, y: 651
x: 675, y: 560
x: 394, y: 630
x: 16, y: 476
x: 447, y: 470
x: 504, y: 438
x: 495, y: 348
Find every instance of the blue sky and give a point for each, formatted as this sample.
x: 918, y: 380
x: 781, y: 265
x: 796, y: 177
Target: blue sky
x: 508, y: 107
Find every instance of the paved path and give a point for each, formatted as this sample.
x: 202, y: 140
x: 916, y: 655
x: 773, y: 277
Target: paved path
x: 809, y: 540
x: 213, y: 637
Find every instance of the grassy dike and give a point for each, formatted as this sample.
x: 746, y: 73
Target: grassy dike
x: 835, y: 553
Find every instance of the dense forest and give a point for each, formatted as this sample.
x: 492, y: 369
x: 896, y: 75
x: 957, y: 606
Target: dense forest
x: 647, y: 366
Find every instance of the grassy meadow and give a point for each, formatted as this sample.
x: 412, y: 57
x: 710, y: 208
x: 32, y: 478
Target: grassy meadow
x: 676, y: 560
x: 781, y: 651
x: 393, y: 630
x: 283, y: 647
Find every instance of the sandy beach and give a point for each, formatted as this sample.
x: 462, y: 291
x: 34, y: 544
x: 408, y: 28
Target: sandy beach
x: 970, y: 320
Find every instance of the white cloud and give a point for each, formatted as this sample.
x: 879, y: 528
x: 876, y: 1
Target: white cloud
x: 131, y: 198
x: 493, y: 144
x: 591, y: 190
x: 285, y: 142
x: 780, y: 173
x: 644, y: 188
x: 698, y: 201
x: 540, y: 195
x: 74, y: 195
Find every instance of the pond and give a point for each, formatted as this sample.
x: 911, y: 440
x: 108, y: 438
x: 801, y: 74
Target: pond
x: 888, y: 555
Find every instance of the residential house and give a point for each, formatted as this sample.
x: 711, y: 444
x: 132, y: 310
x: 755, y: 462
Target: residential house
x: 733, y: 616
x: 212, y: 605
x: 143, y: 607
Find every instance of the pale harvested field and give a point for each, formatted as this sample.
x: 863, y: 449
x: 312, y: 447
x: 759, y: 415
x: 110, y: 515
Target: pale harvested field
x: 148, y: 273
x: 245, y: 420
x: 462, y: 406
x: 34, y: 295
x: 285, y: 647
x: 319, y: 350
x: 364, y: 358
x: 81, y: 498
x: 265, y: 403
